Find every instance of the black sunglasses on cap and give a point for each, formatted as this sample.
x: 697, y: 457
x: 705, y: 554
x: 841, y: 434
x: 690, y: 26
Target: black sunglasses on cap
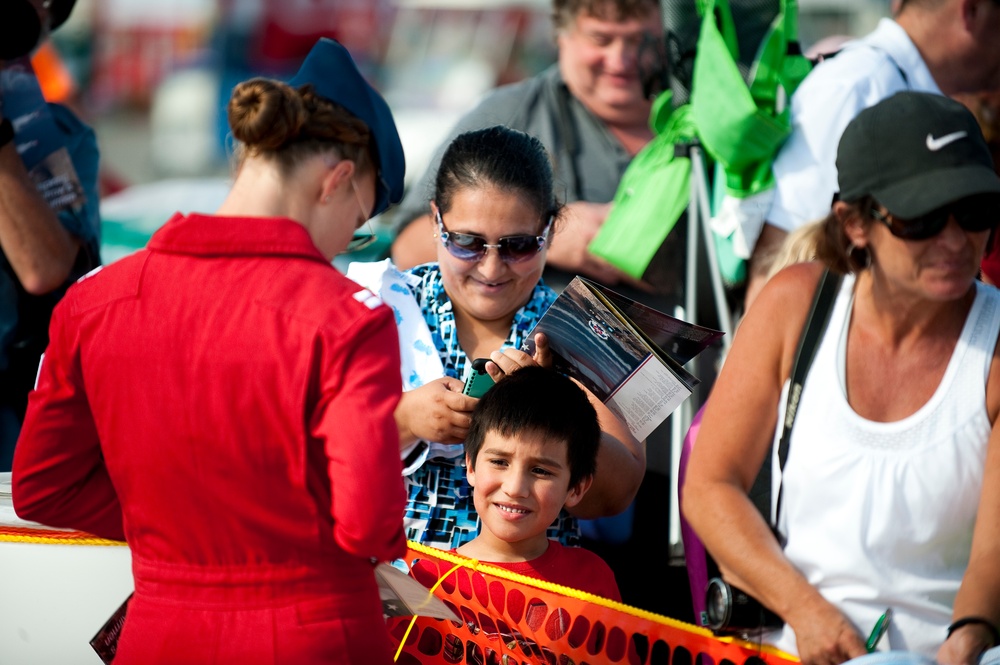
x: 512, y: 249
x: 973, y: 214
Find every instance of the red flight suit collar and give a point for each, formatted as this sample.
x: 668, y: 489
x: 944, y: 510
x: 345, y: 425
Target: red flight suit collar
x: 210, y: 235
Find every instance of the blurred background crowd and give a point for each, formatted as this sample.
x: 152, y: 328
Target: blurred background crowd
x: 153, y: 79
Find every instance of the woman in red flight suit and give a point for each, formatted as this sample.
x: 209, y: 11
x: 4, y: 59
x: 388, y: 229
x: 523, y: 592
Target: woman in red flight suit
x: 223, y: 400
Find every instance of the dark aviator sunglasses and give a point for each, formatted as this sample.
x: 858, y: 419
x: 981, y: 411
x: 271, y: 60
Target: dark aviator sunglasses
x: 973, y: 214
x: 471, y: 247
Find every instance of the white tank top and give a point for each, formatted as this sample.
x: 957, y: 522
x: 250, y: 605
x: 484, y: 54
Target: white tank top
x: 881, y: 515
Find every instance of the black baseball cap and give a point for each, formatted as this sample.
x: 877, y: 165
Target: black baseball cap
x: 331, y: 71
x: 915, y: 152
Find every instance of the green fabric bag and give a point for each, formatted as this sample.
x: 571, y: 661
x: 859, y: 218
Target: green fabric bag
x: 742, y: 125
x: 652, y: 194
x: 739, y: 126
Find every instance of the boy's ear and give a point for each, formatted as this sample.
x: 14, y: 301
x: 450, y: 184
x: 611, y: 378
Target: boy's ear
x: 470, y: 473
x: 577, y: 491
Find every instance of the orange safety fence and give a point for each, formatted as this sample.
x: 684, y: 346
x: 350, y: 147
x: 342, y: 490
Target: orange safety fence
x: 17, y: 534
x: 509, y: 619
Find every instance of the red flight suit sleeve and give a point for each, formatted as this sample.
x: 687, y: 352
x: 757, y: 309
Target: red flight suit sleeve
x: 59, y: 476
x: 354, y: 419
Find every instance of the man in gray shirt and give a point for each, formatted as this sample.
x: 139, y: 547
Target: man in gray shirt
x: 590, y: 113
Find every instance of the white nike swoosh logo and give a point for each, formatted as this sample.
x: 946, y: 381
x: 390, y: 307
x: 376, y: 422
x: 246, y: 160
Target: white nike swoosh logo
x: 934, y: 144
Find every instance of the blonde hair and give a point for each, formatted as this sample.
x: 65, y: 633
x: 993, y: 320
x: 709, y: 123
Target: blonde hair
x: 798, y: 246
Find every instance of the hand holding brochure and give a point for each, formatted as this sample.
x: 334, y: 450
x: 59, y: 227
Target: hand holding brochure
x: 629, y: 355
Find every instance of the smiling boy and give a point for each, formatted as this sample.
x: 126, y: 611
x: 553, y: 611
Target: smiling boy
x: 530, y: 452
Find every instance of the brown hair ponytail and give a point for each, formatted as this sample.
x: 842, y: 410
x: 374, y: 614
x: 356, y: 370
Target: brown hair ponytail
x: 273, y: 120
x: 265, y: 114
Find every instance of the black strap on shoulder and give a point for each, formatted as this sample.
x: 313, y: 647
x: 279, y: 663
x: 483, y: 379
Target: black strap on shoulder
x: 819, y: 316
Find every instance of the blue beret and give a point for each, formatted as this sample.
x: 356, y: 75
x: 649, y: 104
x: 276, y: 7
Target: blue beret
x: 331, y: 71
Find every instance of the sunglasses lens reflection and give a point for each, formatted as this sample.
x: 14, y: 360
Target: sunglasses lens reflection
x: 360, y: 241
x: 512, y: 249
x: 466, y: 247
x: 522, y: 247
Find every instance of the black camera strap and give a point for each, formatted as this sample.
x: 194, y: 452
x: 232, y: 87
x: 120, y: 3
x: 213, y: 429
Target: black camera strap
x: 819, y: 316
x: 731, y: 611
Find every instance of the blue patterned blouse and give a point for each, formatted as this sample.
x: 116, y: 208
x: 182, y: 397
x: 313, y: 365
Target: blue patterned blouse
x: 439, y: 507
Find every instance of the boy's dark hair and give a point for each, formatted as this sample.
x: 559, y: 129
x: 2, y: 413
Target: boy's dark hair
x: 535, y: 399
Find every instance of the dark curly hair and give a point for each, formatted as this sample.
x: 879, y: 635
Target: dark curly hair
x: 501, y: 157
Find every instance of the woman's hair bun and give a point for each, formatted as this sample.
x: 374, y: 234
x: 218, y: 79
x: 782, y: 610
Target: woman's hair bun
x: 265, y: 114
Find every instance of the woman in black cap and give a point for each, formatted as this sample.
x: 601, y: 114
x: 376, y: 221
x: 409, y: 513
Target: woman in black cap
x: 223, y: 400
x: 889, y: 498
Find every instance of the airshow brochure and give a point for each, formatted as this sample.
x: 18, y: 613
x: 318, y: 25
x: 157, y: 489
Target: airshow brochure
x: 404, y: 596
x: 629, y: 355
x: 38, y: 139
x: 105, y: 642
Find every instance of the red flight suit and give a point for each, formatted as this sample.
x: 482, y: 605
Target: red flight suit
x: 224, y: 401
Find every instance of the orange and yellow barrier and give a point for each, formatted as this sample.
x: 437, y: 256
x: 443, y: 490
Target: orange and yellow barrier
x: 16, y: 534
x: 56, y: 589
x: 509, y: 619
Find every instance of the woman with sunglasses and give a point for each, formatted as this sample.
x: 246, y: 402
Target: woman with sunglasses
x: 889, y: 498
x: 223, y: 400
x: 495, y: 212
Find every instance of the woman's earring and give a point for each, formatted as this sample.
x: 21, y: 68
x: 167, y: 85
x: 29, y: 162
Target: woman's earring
x: 861, y: 257
x: 326, y: 199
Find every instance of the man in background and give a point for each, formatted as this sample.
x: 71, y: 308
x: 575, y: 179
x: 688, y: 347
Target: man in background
x: 588, y: 110
x: 45, y: 244
x: 938, y: 46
